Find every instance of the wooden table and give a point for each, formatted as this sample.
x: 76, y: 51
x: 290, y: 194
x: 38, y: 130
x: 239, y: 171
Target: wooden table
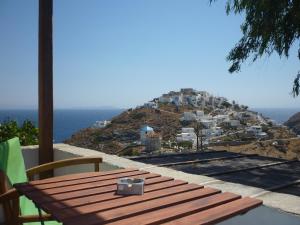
x: 90, y: 198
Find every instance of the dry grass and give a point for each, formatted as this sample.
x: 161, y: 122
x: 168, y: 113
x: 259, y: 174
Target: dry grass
x: 286, y: 149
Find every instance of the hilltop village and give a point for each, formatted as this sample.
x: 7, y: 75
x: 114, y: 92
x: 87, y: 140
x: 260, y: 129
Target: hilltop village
x: 185, y: 120
x: 215, y: 117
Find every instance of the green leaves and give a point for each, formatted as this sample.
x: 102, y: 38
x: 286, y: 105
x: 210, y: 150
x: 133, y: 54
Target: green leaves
x: 27, y: 132
x: 296, y: 85
x: 270, y: 25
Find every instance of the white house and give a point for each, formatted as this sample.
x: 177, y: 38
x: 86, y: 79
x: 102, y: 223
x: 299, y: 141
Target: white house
x: 208, y: 123
x: 187, y: 134
x: 188, y: 130
x: 189, y: 116
x: 186, y: 137
x: 204, y: 93
x: 254, y: 129
x: 217, y: 131
x: 207, y: 132
x: 199, y: 114
x: 262, y: 135
x: 221, y: 118
x: 187, y: 90
x: 257, y: 131
x: 234, y: 123
x: 165, y: 98
x: 101, y: 124
x: 192, y: 100
x: 151, y: 105
x: 177, y: 99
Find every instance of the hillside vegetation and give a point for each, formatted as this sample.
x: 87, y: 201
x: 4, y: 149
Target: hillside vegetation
x: 124, y: 129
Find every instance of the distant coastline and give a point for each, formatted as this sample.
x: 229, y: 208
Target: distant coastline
x: 66, y: 121
x: 280, y: 115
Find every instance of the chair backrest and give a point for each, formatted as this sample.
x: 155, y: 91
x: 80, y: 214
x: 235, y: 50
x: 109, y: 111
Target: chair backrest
x: 12, y: 164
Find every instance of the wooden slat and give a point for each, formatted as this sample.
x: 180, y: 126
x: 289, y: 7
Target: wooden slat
x: 164, y: 185
x: 156, y: 190
x: 125, y: 201
x: 80, y: 190
x: 178, y: 211
x: 30, y: 187
x: 79, y: 176
x: 33, y: 188
x: 93, y: 216
x: 98, y: 190
x: 219, y: 213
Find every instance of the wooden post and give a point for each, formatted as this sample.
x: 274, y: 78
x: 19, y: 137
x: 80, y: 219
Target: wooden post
x: 45, y: 70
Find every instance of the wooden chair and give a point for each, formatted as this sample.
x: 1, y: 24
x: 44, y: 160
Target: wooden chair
x: 13, y: 204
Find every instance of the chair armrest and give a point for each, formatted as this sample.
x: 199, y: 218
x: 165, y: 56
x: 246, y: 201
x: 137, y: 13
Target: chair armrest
x: 35, y: 218
x: 9, y: 195
x: 63, y: 163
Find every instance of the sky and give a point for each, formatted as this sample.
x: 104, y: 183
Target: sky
x: 122, y: 53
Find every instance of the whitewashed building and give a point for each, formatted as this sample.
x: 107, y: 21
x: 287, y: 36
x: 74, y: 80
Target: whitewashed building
x: 186, y: 137
x: 177, y: 99
x: 165, y: 98
x: 101, y: 124
x: 199, y: 114
x: 208, y: 123
x: 217, y: 131
x: 151, y: 105
x: 188, y: 130
x: 221, y: 118
x: 188, y: 116
x: 235, y: 123
x: 187, y: 134
x: 254, y: 129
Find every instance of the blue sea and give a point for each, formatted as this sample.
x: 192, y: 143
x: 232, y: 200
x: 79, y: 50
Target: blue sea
x: 67, y: 122
x: 280, y: 115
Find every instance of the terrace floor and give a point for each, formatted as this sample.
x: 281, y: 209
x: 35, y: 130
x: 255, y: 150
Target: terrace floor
x: 271, y: 175
x: 251, y: 170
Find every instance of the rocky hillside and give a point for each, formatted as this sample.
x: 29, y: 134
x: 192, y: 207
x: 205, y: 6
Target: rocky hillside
x: 164, y: 115
x: 294, y: 123
x: 124, y: 129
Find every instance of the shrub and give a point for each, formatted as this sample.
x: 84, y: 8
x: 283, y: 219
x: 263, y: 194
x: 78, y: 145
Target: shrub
x: 27, y: 132
x: 226, y: 104
x: 228, y: 138
x: 138, y: 115
x: 265, y: 128
x: 185, y: 144
x: 130, y: 152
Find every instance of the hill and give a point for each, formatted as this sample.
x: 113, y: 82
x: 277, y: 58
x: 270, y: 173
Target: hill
x: 223, y: 124
x: 124, y: 129
x: 294, y: 123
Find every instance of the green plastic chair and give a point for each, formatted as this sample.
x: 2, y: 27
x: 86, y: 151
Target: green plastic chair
x: 13, y: 171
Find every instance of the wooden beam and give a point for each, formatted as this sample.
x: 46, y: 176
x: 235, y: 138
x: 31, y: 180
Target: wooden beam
x: 45, y: 70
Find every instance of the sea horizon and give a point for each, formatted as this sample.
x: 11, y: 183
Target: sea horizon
x: 66, y: 121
